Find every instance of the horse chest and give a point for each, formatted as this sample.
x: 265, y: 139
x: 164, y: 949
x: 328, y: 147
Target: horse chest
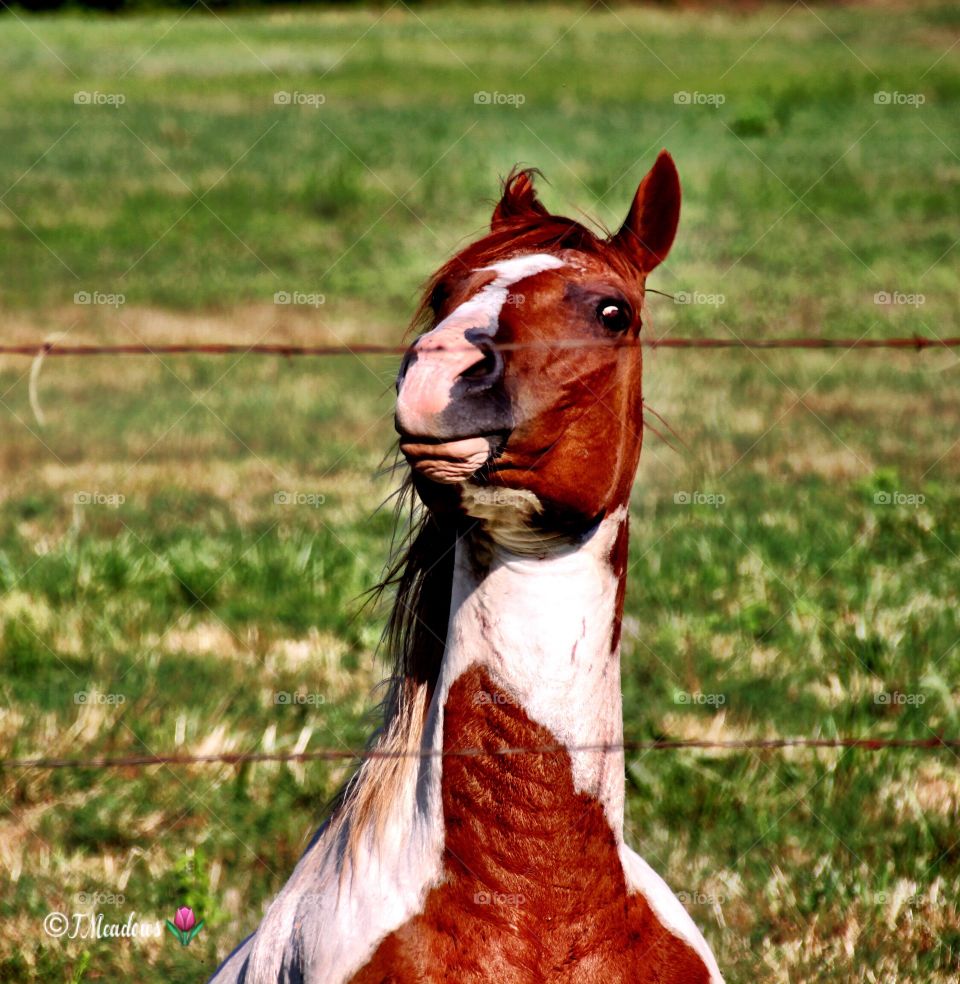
x: 533, y: 887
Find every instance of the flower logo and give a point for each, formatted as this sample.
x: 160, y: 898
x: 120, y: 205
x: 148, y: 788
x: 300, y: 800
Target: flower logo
x: 184, y: 925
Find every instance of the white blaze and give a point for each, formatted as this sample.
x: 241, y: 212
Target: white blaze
x: 445, y: 352
x: 483, y: 309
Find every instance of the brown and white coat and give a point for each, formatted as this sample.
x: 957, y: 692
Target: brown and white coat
x: 508, y: 867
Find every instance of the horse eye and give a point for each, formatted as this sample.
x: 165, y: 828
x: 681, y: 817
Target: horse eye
x: 614, y: 315
x: 438, y: 297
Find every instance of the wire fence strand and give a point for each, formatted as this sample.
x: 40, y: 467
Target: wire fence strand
x: 341, y: 754
x: 34, y: 349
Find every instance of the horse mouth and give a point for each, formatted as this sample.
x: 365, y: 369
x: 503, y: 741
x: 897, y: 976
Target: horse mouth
x: 450, y: 461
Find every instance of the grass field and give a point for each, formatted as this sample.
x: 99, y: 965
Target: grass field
x: 156, y: 596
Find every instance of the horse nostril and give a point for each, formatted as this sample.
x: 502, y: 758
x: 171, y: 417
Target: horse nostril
x: 486, y: 367
x: 405, y: 363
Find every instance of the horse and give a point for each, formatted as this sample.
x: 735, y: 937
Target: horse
x: 482, y: 837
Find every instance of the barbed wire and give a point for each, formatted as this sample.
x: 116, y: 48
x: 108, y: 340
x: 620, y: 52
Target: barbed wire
x: 35, y: 349
x: 340, y: 754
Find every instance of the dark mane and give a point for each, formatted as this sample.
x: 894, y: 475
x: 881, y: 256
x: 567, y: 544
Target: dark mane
x: 420, y: 573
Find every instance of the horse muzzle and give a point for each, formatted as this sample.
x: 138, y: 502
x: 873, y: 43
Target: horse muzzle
x: 452, y: 411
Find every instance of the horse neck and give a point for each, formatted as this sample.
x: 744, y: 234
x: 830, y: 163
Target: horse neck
x: 532, y: 657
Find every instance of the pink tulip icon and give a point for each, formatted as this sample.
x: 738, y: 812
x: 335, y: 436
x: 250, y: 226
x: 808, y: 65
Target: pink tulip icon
x: 184, y: 920
x: 184, y: 926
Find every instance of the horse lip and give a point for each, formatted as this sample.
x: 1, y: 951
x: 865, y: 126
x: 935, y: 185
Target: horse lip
x: 496, y: 438
x: 450, y: 460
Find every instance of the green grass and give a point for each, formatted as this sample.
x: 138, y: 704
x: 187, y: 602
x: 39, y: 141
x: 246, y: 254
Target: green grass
x: 788, y: 609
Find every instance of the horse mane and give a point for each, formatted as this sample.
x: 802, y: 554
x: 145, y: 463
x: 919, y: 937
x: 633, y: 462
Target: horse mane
x: 420, y: 570
x: 419, y: 575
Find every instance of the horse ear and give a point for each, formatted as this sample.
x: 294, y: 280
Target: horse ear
x: 519, y: 200
x: 647, y: 233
